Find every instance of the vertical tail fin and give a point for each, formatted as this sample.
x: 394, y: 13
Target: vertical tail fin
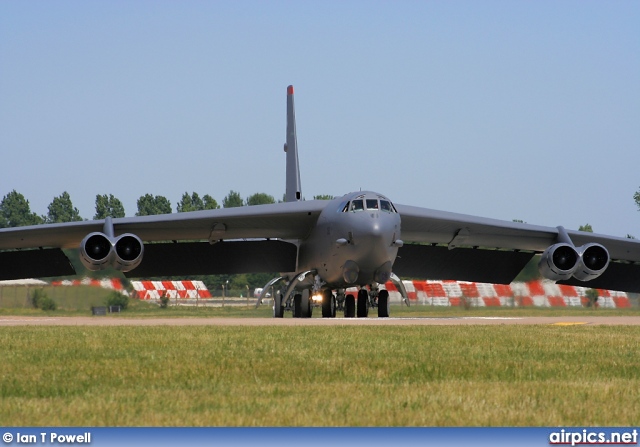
x: 293, y: 191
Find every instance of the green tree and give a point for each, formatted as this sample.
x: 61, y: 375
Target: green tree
x: 62, y: 210
x: 188, y: 203
x: 193, y: 202
x: 636, y: 197
x: 259, y: 279
x: 323, y: 197
x: 108, y: 205
x: 586, y: 228
x: 15, y: 211
x: 209, y: 202
x: 260, y: 198
x: 232, y: 200
x: 149, y: 205
x: 40, y: 300
x: 592, y: 295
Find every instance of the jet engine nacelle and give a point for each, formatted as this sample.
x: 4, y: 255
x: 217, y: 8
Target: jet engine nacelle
x: 98, y: 252
x: 559, y: 262
x: 562, y: 261
x: 594, y: 260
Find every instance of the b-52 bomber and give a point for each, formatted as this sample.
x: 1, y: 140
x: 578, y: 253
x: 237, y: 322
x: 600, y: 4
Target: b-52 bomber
x: 362, y: 239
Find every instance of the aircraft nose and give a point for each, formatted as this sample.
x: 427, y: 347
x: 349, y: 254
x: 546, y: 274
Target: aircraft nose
x: 377, y: 235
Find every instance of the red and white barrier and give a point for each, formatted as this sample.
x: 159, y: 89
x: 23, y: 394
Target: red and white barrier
x: 153, y: 290
x: 105, y: 283
x: 431, y: 293
x: 534, y: 293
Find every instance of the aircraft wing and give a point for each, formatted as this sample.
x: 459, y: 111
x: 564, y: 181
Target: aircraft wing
x: 275, y: 221
x: 444, y: 245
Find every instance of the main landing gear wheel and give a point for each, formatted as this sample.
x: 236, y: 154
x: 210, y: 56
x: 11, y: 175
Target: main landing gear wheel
x: 383, y: 304
x: 349, y: 306
x: 278, y: 308
x: 328, y: 304
x: 363, y: 303
x: 297, y: 304
x: 302, y: 305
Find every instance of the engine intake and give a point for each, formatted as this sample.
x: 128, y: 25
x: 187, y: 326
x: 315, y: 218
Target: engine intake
x: 594, y: 260
x: 123, y: 253
x: 559, y: 262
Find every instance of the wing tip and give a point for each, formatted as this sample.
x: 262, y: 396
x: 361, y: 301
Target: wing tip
x: 290, y: 90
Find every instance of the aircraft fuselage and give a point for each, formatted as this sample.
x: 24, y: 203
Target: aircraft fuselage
x: 354, y: 242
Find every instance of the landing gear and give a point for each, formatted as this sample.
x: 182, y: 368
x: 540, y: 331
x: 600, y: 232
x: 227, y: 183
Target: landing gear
x: 278, y: 306
x: 302, y: 305
x: 383, y: 304
x: 349, y: 306
x: 300, y: 301
x: 297, y: 304
x: 328, y: 304
x: 340, y: 297
x: 363, y: 303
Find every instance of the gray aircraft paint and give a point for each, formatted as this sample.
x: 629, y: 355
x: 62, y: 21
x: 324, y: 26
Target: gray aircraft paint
x: 293, y: 187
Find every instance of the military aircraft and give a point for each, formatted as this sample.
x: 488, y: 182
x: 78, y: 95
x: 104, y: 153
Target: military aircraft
x: 361, y: 239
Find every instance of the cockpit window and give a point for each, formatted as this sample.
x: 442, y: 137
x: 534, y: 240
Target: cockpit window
x: 362, y: 203
x: 372, y: 204
x: 357, y: 205
x: 387, y: 206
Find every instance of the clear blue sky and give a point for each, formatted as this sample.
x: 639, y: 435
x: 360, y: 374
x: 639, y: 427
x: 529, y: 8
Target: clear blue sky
x: 508, y: 109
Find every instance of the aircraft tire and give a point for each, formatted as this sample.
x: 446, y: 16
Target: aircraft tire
x: 278, y: 308
x: 334, y: 307
x: 306, y: 304
x: 328, y: 304
x: 383, y: 304
x: 363, y: 303
x: 349, y: 306
x: 297, y: 306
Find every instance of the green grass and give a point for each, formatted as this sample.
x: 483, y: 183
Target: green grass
x: 71, y: 299
x: 327, y: 376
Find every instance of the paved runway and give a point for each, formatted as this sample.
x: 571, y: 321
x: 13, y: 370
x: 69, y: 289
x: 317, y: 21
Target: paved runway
x: 422, y: 321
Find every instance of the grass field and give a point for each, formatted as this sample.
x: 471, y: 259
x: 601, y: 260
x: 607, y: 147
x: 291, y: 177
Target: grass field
x: 327, y: 376
x: 78, y: 298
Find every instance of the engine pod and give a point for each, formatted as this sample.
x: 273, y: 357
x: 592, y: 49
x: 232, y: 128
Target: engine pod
x: 594, y: 260
x: 128, y: 250
x: 559, y: 262
x: 96, y: 251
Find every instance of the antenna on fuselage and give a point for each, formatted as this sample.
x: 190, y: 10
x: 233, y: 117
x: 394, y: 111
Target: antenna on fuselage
x: 294, y: 191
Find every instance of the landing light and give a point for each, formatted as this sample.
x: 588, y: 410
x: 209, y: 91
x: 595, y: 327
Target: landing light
x: 317, y: 298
